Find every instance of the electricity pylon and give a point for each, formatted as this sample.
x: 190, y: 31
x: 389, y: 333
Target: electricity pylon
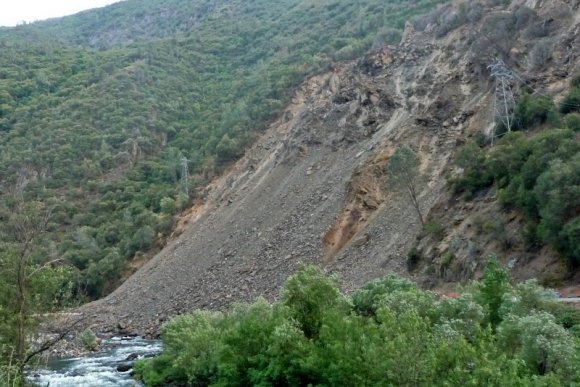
x: 185, y: 175
x: 504, y: 100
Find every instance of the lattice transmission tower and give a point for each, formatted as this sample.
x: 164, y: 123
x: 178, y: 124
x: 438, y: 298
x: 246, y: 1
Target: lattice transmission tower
x: 185, y: 175
x: 504, y: 100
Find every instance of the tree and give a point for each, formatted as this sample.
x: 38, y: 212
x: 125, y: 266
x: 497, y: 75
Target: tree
x: 31, y: 284
x: 494, y: 285
x: 404, y: 175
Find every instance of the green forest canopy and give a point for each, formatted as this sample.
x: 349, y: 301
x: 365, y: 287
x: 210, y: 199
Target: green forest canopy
x: 389, y: 333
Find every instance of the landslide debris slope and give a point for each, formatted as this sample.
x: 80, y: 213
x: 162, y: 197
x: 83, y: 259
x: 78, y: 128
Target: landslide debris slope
x: 313, y: 189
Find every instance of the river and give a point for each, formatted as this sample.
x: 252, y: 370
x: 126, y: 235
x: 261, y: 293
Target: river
x: 99, y: 369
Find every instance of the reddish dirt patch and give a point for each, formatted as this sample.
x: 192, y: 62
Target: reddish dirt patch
x: 342, y: 232
x: 365, y: 197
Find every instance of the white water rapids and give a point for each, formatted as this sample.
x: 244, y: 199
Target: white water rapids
x: 98, y: 370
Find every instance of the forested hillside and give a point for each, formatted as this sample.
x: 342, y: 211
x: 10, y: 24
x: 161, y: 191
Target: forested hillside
x: 98, y: 111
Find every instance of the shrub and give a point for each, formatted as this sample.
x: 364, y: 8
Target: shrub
x: 541, y: 54
x: 160, y: 371
x: 572, y: 122
x: 571, y: 103
x: 445, y: 262
x: 367, y: 299
x: 167, y: 205
x: 524, y: 298
x: 540, y: 342
x: 475, y: 176
x: 88, y: 339
x: 488, y: 227
x: 532, y: 111
x: 530, y: 237
x: 435, y: 229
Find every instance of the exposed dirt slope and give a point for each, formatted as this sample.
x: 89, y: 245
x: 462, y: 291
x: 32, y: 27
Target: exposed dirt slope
x: 314, y: 190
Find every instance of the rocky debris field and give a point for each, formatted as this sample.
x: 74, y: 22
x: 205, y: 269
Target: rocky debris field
x: 313, y: 189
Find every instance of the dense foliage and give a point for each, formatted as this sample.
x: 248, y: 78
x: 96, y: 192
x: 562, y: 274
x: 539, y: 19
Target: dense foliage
x: 32, y: 284
x: 99, y: 111
x: 537, y: 173
x: 389, y: 333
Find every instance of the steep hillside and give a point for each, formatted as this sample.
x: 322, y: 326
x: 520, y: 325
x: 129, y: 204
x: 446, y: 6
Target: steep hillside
x: 313, y: 188
x: 112, y: 118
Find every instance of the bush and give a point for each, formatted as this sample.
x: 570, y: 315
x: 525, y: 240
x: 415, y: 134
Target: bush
x: 167, y: 205
x: 532, y: 111
x: 88, y: 339
x: 572, y: 122
x: 367, y: 299
x: 445, y: 262
x: 160, y: 371
x: 540, y: 342
x: 541, y: 54
x: 571, y: 103
x: 475, y: 176
x: 488, y: 227
x: 435, y: 229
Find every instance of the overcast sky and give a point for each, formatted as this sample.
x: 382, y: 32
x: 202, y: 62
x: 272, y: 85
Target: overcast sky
x: 13, y: 12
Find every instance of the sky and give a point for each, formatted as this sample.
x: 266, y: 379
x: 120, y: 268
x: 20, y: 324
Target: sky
x: 14, y: 12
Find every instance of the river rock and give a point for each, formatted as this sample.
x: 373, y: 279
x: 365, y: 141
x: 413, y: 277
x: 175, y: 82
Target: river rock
x: 124, y: 367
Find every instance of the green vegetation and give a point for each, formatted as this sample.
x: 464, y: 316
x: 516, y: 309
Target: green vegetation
x: 571, y: 103
x: 88, y: 339
x: 537, y: 173
x: 33, y: 282
x: 532, y: 111
x: 389, y: 333
x: 405, y: 177
x: 572, y: 121
x: 435, y: 229
x: 99, y: 111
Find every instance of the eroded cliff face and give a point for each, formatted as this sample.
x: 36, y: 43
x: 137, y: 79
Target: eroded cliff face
x: 314, y: 189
